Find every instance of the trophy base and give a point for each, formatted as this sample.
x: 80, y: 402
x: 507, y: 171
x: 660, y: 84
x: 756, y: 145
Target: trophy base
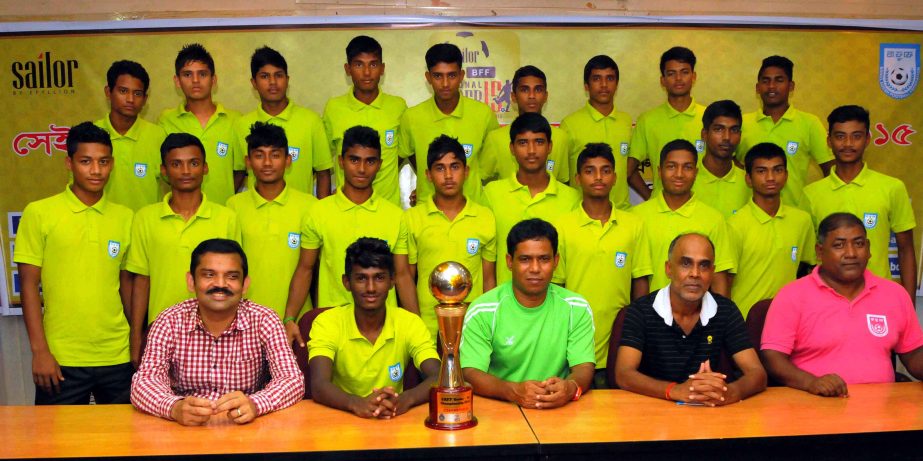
x: 451, y: 408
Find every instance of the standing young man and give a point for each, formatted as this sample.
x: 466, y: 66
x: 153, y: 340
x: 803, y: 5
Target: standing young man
x: 720, y: 183
x: 134, y: 181
x: 73, y: 244
x: 201, y: 117
x: 448, y: 113
x: 307, y: 141
x: 367, y: 105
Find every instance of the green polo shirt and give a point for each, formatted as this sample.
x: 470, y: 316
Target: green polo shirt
x: 433, y: 239
x: 660, y: 125
x: 511, y: 202
x: 333, y: 224
x: 134, y: 181
x: 497, y: 162
x: 80, y: 250
x: 879, y: 200
x: 801, y: 135
x: 162, y: 244
x: 384, y: 116
x: 768, y: 251
x: 469, y: 122
x: 616, y: 252
x: 271, y: 239
x: 221, y: 150
x: 307, y: 143
x: 588, y: 125
x: 726, y: 194
x: 663, y: 225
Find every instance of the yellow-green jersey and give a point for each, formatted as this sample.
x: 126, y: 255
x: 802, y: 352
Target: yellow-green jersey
x: 80, y: 250
x: 663, y: 225
x: 726, y: 194
x: 599, y: 261
x: 660, y: 125
x: 469, y: 123
x: 512, y: 202
x: 135, y: 178
x: 497, y: 162
x: 769, y: 250
x: 588, y: 125
x: 162, y: 244
x: 800, y: 134
x: 879, y: 200
x: 384, y: 116
x: 307, y: 143
x: 333, y: 224
x: 432, y: 239
x: 271, y: 239
x: 220, y: 141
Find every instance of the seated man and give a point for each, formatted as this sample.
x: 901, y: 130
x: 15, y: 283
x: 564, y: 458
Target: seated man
x: 679, y: 333
x: 527, y: 341
x: 839, y: 325
x: 208, y: 355
x: 358, y: 353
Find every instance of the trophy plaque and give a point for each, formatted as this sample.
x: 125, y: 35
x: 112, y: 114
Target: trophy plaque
x: 451, y: 404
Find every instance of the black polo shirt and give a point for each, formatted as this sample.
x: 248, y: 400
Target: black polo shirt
x: 670, y: 354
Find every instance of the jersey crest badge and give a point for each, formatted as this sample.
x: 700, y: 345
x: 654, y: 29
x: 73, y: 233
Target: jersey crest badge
x: 473, y: 245
x: 294, y: 240
x: 620, y: 258
x: 878, y: 325
x: 791, y: 148
x: 870, y: 220
x: 794, y: 251
x: 469, y: 149
x: 509, y: 341
x: 395, y: 372
x: 222, y: 149
x: 113, y: 248
x: 389, y: 138
x: 294, y: 152
x: 549, y: 166
x: 140, y: 170
x: 898, y: 69
x: 623, y: 149
x: 699, y: 146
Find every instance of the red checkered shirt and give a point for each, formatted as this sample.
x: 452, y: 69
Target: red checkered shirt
x: 183, y: 359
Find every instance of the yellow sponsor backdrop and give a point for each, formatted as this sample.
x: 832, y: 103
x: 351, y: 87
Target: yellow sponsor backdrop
x: 832, y: 68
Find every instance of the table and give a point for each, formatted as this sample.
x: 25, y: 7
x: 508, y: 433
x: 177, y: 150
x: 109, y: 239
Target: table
x: 877, y: 421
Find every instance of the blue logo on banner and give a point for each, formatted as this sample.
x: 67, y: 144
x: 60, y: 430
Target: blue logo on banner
x: 899, y: 69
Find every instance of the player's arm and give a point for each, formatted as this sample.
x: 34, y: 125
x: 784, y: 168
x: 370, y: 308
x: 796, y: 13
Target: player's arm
x: 322, y: 179
x: 524, y: 394
x: 489, y: 274
x: 704, y: 386
x: 640, y: 286
x: 913, y: 361
x: 239, y: 177
x: 561, y: 391
x: 399, y: 404
x: 635, y: 181
x: 298, y: 290
x: 140, y: 293
x: 721, y: 284
x: 753, y: 380
x: 126, y: 279
x: 781, y: 368
x: 905, y: 260
x: 324, y: 392
x: 46, y: 373
x: 404, y: 284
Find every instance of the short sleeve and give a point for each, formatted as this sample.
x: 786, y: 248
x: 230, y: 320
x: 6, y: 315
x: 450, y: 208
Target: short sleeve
x: 642, y: 266
x: 234, y: 232
x: 633, y: 334
x: 241, y: 130
x: 819, y: 149
x: 560, y: 272
x: 406, y: 239
x: 30, y: 240
x: 419, y: 341
x: 724, y: 248
x: 311, y: 238
x: 476, y: 344
x: 238, y: 151
x: 901, y: 218
x: 320, y: 146
x: 487, y: 159
x: 808, y: 240
x: 400, y: 243
x: 911, y: 336
x: 325, y: 335
x: 638, y: 145
x: 489, y: 248
x: 737, y: 338
x: 781, y: 325
x: 328, y: 130
x: 563, y: 143
x: 581, y: 337
x: 405, y: 140
x: 138, y: 261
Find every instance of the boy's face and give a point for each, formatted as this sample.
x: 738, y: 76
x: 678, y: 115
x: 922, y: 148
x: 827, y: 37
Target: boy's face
x: 271, y: 83
x: 195, y: 80
x: 268, y: 163
x: 448, y: 175
x: 531, y: 94
x: 445, y: 78
x: 365, y: 70
x: 531, y: 151
x: 602, y: 86
x: 360, y: 164
x: 184, y: 168
x: 128, y: 96
x: 596, y: 177
x: 91, y: 166
x: 369, y: 286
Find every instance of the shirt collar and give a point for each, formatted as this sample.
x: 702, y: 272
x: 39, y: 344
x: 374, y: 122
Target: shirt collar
x: 871, y: 282
x: 585, y: 218
x: 437, y: 114
x: 204, y: 211
x: 788, y: 115
x: 191, y: 319
x: 259, y: 201
x: 219, y: 110
x: 732, y: 175
x: 761, y: 216
x: 664, y: 309
x: 285, y: 115
x: 685, y: 211
x: 344, y: 203
x: 77, y: 206
x: 357, y: 105
x: 133, y: 133
x: 552, y: 188
x: 387, y: 330
x: 859, y: 180
x: 597, y: 115
x: 690, y: 111
x: 467, y: 210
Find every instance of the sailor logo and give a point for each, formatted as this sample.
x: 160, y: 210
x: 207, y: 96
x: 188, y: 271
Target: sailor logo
x: 620, y: 258
x: 140, y: 170
x: 113, y: 248
x: 395, y: 372
x: 549, y: 166
x: 794, y: 253
x: 899, y: 69
x: 699, y: 146
x: 222, y: 149
x: 870, y: 220
x: 294, y: 152
x: 791, y: 148
x: 623, y: 149
x: 389, y: 138
x: 294, y: 240
x: 472, y: 246
x: 469, y: 149
x: 878, y: 325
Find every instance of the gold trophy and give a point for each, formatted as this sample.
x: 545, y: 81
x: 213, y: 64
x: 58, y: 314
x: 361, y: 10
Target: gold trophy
x: 451, y: 404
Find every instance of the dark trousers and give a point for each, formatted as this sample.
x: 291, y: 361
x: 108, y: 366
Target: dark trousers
x: 109, y: 384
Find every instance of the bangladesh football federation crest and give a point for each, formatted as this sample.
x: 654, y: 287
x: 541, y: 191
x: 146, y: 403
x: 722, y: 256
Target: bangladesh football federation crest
x: 878, y: 325
x: 113, y: 248
x: 389, y: 138
x: 395, y: 372
x: 294, y: 240
x: 794, y: 252
x: 899, y: 69
x: 222, y: 149
x: 469, y: 149
x: 620, y: 259
x: 623, y: 149
x: 699, y: 146
x: 473, y: 245
x: 791, y: 148
x: 870, y: 220
x: 294, y: 152
x: 140, y: 170
x: 549, y: 166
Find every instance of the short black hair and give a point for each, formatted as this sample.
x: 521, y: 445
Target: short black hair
x: 835, y: 221
x: 266, y: 135
x: 528, y: 71
x: 125, y: 67
x: 531, y: 229
x: 530, y: 121
x: 179, y: 140
x: 362, y: 44
x: 723, y: 108
x: 781, y: 62
x: 443, y: 52
x: 367, y: 252
x: 595, y: 150
x: 676, y: 240
x: 678, y: 144
x: 361, y: 136
x: 599, y: 62
x: 266, y: 56
x: 194, y: 52
x: 220, y: 246
x: 86, y: 133
x: 677, y: 53
x: 850, y: 113
x: 766, y: 151
x: 442, y: 146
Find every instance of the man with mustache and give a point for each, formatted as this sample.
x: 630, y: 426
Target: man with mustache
x: 674, y: 338
x: 721, y: 184
x: 217, y: 355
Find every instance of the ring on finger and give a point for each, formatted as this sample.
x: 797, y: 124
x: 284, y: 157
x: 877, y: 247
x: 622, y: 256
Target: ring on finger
x: 239, y: 413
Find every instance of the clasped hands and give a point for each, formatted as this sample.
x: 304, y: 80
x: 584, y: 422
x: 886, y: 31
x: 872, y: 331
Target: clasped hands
x: 195, y: 411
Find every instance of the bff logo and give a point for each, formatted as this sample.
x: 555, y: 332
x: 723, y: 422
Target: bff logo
x: 395, y: 372
x: 222, y: 149
x: 294, y: 153
x: 699, y: 146
x: 878, y: 325
x: 870, y: 220
x: 549, y: 166
x: 294, y: 240
x: 794, y: 254
x: 469, y: 149
x: 140, y: 170
x: 791, y: 148
x: 623, y: 149
x: 114, y: 248
x: 472, y: 246
x: 899, y: 69
x: 620, y: 259
x: 389, y: 138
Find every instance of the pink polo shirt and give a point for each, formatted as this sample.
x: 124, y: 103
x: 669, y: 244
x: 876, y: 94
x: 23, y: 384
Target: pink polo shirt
x: 823, y: 332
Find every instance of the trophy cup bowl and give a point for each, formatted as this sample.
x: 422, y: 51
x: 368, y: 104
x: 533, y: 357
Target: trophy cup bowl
x: 450, y: 399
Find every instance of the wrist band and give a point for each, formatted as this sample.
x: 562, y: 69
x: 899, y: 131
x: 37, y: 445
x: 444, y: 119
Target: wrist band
x: 667, y: 393
x: 579, y: 391
x: 288, y: 319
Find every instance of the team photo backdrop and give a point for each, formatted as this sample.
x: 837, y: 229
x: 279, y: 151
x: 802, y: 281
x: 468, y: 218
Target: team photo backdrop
x: 55, y: 81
